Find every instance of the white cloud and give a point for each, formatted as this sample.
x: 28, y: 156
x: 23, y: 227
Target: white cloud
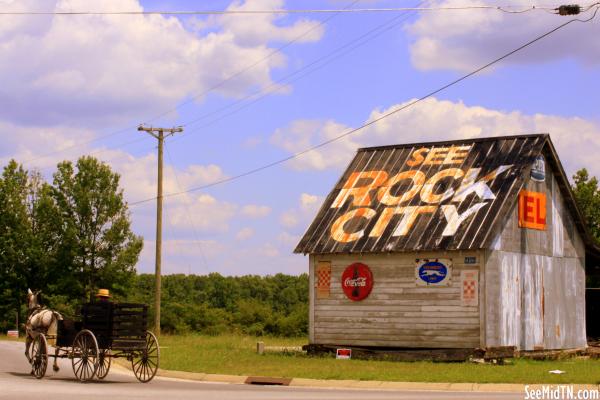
x: 244, y: 234
x: 307, y: 208
x: 288, y: 240
x: 181, y: 256
x: 111, y: 68
x: 465, y: 40
x: 577, y: 139
x: 200, y: 212
x: 251, y: 142
x: 300, y: 135
x: 268, y: 250
x: 255, y: 211
x: 308, y: 202
x: 31, y: 142
x: 289, y: 219
x: 262, y: 28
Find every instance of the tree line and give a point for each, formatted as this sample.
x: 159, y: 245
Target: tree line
x: 214, y: 304
x: 73, y: 235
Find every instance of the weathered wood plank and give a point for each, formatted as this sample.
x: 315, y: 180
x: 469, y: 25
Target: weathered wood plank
x: 397, y: 325
x: 311, y: 299
x: 342, y: 341
x: 395, y: 300
x: 400, y: 315
x: 402, y: 308
x: 450, y: 311
x: 398, y: 295
x: 395, y: 332
x: 396, y: 322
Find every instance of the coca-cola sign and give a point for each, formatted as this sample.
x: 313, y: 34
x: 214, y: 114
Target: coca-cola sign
x: 357, y: 281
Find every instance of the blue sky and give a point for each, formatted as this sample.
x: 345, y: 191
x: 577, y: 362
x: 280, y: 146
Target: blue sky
x: 69, y: 80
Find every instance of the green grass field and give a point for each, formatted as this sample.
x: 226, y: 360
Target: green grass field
x: 236, y: 355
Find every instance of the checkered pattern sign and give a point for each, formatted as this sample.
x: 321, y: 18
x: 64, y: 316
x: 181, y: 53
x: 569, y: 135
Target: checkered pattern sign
x: 323, y: 279
x: 470, y: 287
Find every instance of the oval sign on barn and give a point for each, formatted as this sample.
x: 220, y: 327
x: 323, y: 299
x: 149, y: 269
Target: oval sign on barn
x: 357, y: 281
x: 433, y: 272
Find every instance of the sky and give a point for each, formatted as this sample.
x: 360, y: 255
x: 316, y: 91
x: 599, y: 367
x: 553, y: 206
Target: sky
x: 250, y: 90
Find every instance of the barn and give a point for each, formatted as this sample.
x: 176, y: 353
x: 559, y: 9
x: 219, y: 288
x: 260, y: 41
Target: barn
x: 465, y: 244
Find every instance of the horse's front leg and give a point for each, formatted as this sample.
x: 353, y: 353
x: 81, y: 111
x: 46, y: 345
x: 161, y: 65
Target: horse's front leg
x: 28, y: 341
x: 55, y: 365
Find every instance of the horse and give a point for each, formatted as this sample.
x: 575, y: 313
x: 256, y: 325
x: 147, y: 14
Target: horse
x: 39, y: 320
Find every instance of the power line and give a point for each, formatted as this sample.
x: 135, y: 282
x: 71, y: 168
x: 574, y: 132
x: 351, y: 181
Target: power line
x: 198, y: 95
x: 374, y: 121
x: 252, y: 65
x: 187, y: 210
x: 317, y: 64
x: 283, y: 11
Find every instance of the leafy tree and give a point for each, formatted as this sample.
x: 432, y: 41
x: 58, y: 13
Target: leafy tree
x: 15, y: 235
x: 97, y: 244
x: 587, y: 195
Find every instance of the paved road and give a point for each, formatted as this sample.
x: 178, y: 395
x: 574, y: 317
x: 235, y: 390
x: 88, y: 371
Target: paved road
x: 16, y: 383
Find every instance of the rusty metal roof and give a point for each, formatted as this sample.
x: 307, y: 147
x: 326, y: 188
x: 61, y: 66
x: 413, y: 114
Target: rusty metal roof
x: 428, y: 196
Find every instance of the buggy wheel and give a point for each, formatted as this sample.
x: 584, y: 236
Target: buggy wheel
x: 84, y: 355
x: 39, y: 356
x: 145, y: 362
x: 104, y: 359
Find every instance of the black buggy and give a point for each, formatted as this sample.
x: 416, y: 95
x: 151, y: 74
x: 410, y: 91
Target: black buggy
x: 106, y: 331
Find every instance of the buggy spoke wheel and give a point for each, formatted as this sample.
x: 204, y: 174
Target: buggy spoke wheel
x: 39, y: 356
x: 85, y: 356
x: 145, y: 362
x: 103, y: 363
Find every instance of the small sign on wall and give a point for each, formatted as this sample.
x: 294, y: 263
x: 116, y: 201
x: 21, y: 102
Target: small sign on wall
x: 538, y: 171
x: 532, y: 210
x: 471, y: 260
x: 357, y: 281
x: 433, y: 271
x: 323, y: 275
x: 469, y: 295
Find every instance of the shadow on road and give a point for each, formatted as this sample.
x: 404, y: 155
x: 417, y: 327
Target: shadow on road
x: 58, y: 378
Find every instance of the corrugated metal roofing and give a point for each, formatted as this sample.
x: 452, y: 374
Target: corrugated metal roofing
x: 425, y: 196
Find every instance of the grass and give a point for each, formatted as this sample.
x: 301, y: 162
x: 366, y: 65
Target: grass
x: 236, y: 355
x: 13, y: 339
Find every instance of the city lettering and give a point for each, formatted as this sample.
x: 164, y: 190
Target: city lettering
x: 362, y: 188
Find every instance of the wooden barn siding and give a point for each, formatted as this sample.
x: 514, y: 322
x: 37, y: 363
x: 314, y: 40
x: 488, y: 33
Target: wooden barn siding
x: 397, y: 313
x: 535, y: 292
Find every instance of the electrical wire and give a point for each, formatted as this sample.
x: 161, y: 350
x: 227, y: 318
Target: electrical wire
x: 280, y: 11
x: 317, y: 63
x: 187, y: 210
x: 196, y: 96
x: 374, y: 121
x: 252, y: 65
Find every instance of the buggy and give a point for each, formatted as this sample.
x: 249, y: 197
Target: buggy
x: 105, y: 331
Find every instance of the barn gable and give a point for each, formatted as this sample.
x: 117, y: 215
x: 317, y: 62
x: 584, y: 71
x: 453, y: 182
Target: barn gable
x: 429, y: 196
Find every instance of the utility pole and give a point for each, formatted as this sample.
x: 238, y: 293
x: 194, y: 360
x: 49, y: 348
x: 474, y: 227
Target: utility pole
x: 160, y: 134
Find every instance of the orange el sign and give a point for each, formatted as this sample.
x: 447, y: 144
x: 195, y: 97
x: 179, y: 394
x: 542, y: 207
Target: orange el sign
x: 532, y: 210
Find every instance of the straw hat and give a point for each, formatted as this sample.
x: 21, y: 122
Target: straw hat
x: 103, y: 293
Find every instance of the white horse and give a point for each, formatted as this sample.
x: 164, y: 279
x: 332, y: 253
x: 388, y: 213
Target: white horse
x: 39, y: 320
